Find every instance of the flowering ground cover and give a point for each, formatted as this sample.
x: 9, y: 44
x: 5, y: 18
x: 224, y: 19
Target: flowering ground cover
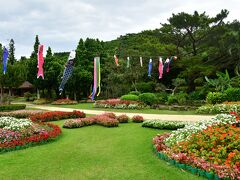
x: 21, y: 113
x: 105, y: 119
x: 208, y: 148
x: 22, y: 133
x: 92, y: 153
x: 64, y: 101
x: 56, y: 115
x: 159, y: 124
x: 118, y: 104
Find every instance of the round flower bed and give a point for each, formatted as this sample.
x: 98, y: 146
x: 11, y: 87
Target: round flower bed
x: 21, y: 133
x: 207, y: 148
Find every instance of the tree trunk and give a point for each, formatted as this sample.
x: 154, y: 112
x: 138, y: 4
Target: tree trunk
x: 75, y: 96
x: 1, y: 95
x: 38, y: 94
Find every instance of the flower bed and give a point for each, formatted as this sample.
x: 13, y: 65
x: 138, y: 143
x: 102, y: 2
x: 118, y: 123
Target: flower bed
x: 106, y: 119
x: 64, y: 101
x: 118, y: 104
x: 21, y: 133
x: 21, y: 113
x: 57, y: 115
x: 211, y: 150
x: 218, y: 108
x: 159, y: 124
x: 137, y: 119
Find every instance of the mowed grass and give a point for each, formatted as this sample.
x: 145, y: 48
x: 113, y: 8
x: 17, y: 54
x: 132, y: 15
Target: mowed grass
x: 89, y: 106
x: 93, y: 152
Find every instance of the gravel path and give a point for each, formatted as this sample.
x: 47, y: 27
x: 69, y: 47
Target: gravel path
x: 145, y: 116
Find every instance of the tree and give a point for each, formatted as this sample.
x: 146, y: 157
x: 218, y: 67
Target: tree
x: 11, y: 56
x: 35, y: 48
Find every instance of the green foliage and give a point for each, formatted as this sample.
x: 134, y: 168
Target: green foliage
x: 233, y: 94
x: 11, y: 56
x: 162, y: 97
x: 216, y: 97
x: 29, y: 96
x: 137, y: 93
x: 145, y: 87
x: 12, y: 107
x: 148, y: 98
x: 221, y: 83
x: 130, y: 97
x: 179, y: 98
x: 41, y: 101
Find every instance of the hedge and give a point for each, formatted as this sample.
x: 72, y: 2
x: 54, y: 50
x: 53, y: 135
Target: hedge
x: 12, y: 107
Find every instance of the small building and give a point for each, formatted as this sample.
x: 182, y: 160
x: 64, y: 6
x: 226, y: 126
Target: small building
x: 25, y: 87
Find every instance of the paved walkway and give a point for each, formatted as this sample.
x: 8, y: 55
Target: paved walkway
x: 145, y: 116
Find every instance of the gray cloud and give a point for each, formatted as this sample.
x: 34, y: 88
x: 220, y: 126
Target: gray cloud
x: 61, y: 23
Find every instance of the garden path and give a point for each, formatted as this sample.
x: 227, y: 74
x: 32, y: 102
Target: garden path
x: 145, y: 116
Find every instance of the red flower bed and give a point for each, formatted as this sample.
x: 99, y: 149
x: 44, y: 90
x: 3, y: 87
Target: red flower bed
x: 56, y: 115
x: 16, y: 140
x: 137, y: 119
x: 114, y: 102
x: 213, y: 150
x: 105, y: 119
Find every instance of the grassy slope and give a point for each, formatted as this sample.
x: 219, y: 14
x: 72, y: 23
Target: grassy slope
x: 92, y: 153
x: 146, y: 111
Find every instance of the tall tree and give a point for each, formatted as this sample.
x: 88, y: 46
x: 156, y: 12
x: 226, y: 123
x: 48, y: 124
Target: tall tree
x: 11, y: 56
x: 35, y: 47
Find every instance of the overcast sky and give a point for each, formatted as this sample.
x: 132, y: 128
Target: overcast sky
x: 61, y: 23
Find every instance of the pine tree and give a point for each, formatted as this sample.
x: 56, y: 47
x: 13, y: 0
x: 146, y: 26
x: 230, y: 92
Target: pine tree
x: 11, y: 52
x: 35, y: 47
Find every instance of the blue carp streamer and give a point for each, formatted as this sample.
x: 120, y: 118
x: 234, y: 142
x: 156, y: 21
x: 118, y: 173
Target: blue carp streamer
x: 67, y: 70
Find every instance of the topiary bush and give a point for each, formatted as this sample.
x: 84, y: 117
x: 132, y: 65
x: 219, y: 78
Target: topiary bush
x: 130, y: 97
x: 171, y: 99
x: 216, y: 97
x: 148, y: 98
x: 233, y: 94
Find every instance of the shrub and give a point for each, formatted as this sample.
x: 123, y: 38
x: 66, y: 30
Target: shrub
x: 172, y: 99
x: 106, y: 121
x: 181, y: 98
x: 159, y: 124
x: 64, y: 101
x: 56, y: 115
x: 148, y: 98
x: 110, y: 114
x: 135, y: 93
x: 123, y: 118
x: 12, y: 107
x: 233, y: 94
x: 41, y: 101
x: 137, y: 119
x: 130, y: 97
x: 162, y: 97
x: 27, y: 96
x: 145, y: 86
x: 216, y: 97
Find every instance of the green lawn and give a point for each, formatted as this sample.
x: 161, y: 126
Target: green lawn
x: 146, y: 111
x: 92, y: 153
